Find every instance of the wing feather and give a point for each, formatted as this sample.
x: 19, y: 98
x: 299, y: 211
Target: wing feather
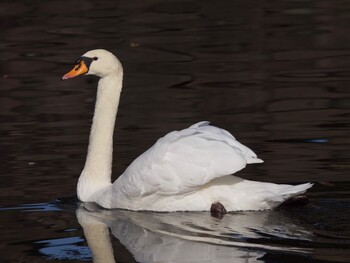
x: 182, y: 161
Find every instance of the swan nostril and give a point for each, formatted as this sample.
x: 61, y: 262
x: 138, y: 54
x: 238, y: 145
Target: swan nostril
x: 77, y: 67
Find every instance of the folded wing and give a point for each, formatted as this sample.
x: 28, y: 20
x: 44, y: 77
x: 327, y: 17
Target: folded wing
x: 182, y: 161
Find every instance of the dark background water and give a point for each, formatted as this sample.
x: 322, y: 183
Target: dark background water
x: 274, y: 73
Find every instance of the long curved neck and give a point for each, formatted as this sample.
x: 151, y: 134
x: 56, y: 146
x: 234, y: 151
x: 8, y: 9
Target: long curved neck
x: 98, y: 165
x: 100, y: 149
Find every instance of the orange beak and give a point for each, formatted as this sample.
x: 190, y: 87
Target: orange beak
x: 79, y: 69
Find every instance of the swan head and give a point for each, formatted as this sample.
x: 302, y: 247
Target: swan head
x: 98, y: 62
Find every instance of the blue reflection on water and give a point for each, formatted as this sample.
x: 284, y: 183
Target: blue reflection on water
x: 311, y: 140
x: 33, y: 207
x: 65, y: 249
x: 320, y: 140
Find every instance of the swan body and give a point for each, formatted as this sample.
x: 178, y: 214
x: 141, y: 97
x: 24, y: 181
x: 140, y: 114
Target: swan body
x: 185, y: 170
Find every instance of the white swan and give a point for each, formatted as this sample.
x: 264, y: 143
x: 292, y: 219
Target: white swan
x: 187, y: 170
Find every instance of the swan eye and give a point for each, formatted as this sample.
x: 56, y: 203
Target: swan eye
x: 95, y: 58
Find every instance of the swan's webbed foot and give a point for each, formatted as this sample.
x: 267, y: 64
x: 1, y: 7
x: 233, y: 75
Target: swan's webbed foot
x: 217, y: 210
x: 299, y: 200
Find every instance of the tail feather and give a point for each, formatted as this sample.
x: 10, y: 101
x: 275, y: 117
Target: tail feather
x: 289, y: 191
x: 283, y: 192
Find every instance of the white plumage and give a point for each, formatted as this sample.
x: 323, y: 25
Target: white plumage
x: 185, y: 170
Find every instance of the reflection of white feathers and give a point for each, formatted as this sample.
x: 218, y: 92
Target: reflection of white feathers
x: 189, y: 237
x: 185, y: 170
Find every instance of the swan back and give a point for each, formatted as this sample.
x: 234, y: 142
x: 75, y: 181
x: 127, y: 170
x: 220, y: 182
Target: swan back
x: 182, y: 162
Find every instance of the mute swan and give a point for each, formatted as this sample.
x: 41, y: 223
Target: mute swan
x: 187, y: 170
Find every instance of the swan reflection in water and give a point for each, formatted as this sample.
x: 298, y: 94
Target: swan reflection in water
x: 189, y: 236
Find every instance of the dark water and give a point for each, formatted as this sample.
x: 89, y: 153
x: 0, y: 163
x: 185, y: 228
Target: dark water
x: 274, y: 73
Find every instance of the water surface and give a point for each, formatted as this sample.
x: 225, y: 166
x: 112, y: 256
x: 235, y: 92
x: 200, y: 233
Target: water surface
x: 275, y: 74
